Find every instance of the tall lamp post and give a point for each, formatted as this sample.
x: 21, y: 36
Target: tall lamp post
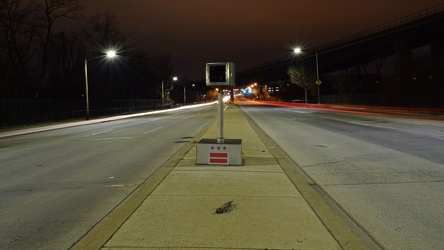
x: 109, y: 54
x: 184, y: 96
x: 318, y: 82
x: 175, y: 78
x: 163, y: 95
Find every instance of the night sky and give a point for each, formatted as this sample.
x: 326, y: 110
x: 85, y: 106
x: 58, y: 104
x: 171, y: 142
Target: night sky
x: 246, y: 32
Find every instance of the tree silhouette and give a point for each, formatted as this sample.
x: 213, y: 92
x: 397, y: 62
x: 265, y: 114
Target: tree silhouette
x: 301, y: 77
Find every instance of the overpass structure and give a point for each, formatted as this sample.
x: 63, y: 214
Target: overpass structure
x: 396, y: 38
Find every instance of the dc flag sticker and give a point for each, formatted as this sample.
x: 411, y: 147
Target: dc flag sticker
x: 218, y: 154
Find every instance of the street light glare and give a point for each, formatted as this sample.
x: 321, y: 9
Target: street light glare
x: 111, y: 53
x: 175, y: 78
x: 297, y: 50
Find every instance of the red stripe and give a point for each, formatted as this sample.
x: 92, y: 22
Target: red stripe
x: 216, y: 160
x: 219, y: 155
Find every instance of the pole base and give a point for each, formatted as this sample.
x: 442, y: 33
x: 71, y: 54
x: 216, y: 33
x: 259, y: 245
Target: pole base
x: 211, y: 152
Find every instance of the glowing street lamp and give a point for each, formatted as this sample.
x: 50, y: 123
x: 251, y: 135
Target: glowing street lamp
x: 318, y: 82
x: 298, y: 50
x: 175, y: 78
x: 108, y: 54
x: 111, y: 54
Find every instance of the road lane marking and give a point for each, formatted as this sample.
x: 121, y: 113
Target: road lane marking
x: 101, y: 132
x: 301, y: 111
x: 122, y: 185
x: 152, y: 130
x: 351, y: 122
x: 112, y: 138
x: 376, y: 125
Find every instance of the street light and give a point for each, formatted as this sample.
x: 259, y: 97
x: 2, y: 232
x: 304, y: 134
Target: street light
x: 108, y: 54
x: 184, y: 96
x: 111, y: 54
x: 298, y: 50
x: 163, y: 91
x: 318, y: 82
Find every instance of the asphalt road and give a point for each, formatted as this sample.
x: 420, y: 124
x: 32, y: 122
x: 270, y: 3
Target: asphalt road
x: 56, y: 185
x: 386, y: 173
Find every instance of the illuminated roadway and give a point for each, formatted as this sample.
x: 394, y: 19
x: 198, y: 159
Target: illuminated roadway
x: 386, y: 173
x: 55, y: 185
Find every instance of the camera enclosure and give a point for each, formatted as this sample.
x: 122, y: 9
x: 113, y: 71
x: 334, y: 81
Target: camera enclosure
x: 219, y: 74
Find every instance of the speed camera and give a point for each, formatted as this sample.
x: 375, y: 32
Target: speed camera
x: 219, y: 74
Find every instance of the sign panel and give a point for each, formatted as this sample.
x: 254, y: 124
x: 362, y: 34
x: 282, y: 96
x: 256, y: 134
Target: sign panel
x: 210, y: 152
x: 218, y: 154
x: 219, y: 74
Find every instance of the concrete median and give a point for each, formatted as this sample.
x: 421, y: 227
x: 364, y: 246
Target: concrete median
x: 270, y: 205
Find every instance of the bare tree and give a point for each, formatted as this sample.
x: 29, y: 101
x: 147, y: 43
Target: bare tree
x: 301, y: 77
x: 16, y: 45
x: 102, y: 33
x: 48, y: 13
x: 65, y: 61
x: 163, y: 66
x: 341, y: 82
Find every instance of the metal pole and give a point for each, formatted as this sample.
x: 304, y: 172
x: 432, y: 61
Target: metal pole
x: 184, y: 96
x: 86, y: 89
x: 220, y: 118
x: 317, y: 76
x: 163, y: 95
x: 317, y: 67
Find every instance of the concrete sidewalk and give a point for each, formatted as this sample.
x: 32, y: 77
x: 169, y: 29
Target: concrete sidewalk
x: 176, y: 207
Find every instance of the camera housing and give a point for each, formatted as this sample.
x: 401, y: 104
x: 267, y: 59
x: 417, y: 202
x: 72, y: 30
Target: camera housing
x: 220, y: 74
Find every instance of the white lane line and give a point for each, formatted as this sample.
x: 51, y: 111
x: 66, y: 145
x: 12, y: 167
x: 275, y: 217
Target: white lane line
x: 376, y: 125
x: 101, y: 132
x: 301, y: 111
x: 113, y: 138
x: 122, y: 185
x: 185, y: 118
x: 149, y: 131
x: 351, y: 122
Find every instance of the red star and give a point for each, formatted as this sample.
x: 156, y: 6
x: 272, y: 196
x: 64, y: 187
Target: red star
x: 225, y: 148
x: 218, y: 148
x: 212, y: 147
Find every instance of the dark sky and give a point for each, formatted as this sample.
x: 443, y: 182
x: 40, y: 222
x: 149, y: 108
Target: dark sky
x: 246, y: 32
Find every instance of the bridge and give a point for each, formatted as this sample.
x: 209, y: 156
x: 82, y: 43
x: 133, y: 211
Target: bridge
x: 396, y: 38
